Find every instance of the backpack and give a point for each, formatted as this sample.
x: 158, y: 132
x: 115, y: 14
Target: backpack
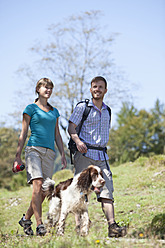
x: 71, y: 144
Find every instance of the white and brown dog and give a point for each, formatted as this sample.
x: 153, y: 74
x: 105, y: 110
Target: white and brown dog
x: 71, y: 196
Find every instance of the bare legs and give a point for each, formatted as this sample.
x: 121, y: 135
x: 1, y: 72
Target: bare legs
x: 36, y: 202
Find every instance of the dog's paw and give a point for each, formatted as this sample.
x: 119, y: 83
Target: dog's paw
x: 77, y: 229
x: 60, y: 232
x: 83, y: 233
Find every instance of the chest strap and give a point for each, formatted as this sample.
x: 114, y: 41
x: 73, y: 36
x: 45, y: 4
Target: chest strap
x: 103, y: 149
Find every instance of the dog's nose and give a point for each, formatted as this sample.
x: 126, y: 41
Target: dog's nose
x: 102, y: 181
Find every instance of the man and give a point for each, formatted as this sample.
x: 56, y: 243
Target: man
x: 95, y: 133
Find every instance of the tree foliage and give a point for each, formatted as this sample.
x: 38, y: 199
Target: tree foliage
x: 77, y: 50
x: 137, y: 133
x: 8, y: 146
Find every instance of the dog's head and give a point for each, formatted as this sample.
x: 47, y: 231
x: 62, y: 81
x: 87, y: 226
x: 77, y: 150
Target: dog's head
x: 91, y: 177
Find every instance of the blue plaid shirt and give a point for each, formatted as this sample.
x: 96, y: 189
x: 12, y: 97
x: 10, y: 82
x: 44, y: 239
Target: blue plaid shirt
x: 95, y: 129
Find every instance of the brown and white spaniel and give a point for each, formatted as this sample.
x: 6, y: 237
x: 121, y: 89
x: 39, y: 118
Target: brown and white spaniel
x: 71, y: 196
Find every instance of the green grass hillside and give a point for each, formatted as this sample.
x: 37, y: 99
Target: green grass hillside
x: 139, y: 204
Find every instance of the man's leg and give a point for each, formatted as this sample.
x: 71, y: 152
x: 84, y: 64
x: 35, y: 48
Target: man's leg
x: 114, y: 230
x: 108, y: 209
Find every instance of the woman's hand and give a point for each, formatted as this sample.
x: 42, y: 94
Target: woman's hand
x: 63, y: 162
x: 16, y: 162
x: 21, y: 141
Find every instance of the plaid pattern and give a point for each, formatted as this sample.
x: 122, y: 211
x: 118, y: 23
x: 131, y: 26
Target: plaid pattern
x: 95, y: 129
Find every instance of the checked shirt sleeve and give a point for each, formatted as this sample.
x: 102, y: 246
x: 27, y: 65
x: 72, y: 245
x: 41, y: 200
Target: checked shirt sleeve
x: 77, y: 114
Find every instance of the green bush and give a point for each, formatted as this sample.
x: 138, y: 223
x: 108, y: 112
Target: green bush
x: 18, y: 180
x: 158, y: 226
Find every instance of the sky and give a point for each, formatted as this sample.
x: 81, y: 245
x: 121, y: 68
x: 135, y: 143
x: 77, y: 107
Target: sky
x: 139, y: 49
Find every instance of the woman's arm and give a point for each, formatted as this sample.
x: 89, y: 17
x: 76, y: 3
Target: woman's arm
x: 60, y: 146
x: 22, y: 139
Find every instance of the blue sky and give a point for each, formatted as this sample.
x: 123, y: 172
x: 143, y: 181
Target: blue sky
x: 139, y: 50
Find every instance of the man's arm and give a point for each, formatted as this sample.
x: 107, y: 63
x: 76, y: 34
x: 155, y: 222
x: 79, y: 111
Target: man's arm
x: 73, y: 134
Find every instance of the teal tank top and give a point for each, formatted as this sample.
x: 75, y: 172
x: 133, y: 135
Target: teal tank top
x: 42, y: 125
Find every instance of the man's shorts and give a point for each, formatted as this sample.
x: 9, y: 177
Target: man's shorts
x: 39, y: 162
x: 81, y: 162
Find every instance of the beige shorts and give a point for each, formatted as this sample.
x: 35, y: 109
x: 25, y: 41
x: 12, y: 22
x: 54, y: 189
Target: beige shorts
x: 39, y: 162
x: 81, y: 162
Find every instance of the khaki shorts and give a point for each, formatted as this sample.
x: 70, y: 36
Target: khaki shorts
x: 39, y: 162
x: 81, y: 162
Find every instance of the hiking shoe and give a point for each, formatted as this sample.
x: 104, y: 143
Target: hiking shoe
x: 26, y: 224
x: 116, y: 231
x: 41, y: 230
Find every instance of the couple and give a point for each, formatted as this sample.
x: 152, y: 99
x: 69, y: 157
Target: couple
x: 40, y: 152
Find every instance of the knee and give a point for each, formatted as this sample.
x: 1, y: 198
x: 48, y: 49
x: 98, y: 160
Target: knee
x: 37, y: 185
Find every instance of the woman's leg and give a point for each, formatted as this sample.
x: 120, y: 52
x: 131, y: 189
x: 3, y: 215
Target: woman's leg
x: 36, y: 202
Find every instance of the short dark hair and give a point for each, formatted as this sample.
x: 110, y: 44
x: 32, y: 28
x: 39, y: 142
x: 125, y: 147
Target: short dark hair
x: 99, y: 78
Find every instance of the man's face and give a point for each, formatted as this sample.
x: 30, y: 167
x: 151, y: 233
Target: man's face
x: 98, y: 90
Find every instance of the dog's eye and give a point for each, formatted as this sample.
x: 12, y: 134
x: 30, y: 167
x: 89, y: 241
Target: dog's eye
x: 94, y: 176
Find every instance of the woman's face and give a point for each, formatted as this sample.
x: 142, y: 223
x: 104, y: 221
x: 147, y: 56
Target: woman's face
x: 45, y: 91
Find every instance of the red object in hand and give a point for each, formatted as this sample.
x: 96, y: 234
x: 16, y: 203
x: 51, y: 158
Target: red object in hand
x: 19, y: 167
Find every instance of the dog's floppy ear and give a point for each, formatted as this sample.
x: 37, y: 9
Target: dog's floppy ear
x: 85, y: 179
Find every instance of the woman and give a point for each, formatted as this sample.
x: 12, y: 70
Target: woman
x: 40, y: 152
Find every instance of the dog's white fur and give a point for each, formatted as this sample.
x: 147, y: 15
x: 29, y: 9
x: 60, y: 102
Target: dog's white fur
x: 69, y: 196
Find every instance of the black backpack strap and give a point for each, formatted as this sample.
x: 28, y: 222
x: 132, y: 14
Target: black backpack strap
x: 86, y: 101
x: 71, y: 145
x: 85, y: 114
x: 109, y: 110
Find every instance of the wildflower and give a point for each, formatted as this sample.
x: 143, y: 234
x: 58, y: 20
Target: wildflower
x: 141, y: 235
x: 97, y: 241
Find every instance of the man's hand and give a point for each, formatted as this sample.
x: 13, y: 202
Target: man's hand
x: 81, y: 147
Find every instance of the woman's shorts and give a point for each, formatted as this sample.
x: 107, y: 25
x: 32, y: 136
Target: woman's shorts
x: 39, y: 162
x: 81, y: 162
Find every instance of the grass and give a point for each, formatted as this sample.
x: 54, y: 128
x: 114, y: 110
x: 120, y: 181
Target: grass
x: 139, y: 203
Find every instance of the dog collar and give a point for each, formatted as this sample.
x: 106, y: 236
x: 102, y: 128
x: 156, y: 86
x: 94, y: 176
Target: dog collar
x: 86, y: 197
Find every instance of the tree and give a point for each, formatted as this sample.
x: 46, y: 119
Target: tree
x: 8, y: 144
x: 137, y: 133
x: 121, y: 141
x: 158, y: 113
x: 76, y: 52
